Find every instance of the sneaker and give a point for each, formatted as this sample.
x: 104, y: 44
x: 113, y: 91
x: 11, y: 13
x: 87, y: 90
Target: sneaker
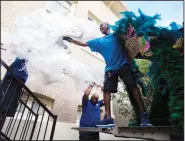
x: 106, y: 122
x: 144, y: 120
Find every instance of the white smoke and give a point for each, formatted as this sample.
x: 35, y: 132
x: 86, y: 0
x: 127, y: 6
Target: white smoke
x: 34, y: 38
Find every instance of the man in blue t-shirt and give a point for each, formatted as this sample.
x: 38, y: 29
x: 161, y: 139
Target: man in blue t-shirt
x: 90, y: 114
x: 117, y: 65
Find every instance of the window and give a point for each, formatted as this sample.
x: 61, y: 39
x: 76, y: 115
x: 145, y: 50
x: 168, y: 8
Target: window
x: 65, y: 7
x: 65, y: 4
x: 36, y: 106
x: 90, y: 19
x: 93, y: 18
x: 31, y: 103
x: 79, y: 113
x: 20, y: 107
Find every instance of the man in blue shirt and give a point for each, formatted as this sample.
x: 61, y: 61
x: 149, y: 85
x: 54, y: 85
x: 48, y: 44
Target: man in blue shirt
x: 10, y: 89
x: 118, y: 64
x: 90, y: 114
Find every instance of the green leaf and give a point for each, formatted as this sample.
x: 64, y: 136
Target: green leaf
x: 177, y: 116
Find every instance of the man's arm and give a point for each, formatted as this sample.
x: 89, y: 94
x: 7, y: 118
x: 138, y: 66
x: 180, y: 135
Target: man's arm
x: 84, y: 44
x: 94, y: 44
x: 87, y: 92
x: 101, y: 101
x: 80, y: 43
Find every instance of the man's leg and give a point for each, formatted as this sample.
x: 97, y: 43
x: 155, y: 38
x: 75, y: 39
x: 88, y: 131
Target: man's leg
x: 95, y: 136
x: 142, y: 85
x: 82, y: 137
x: 128, y: 78
x: 107, y: 97
x: 137, y: 96
x: 110, y: 86
x: 135, y: 108
x: 89, y: 136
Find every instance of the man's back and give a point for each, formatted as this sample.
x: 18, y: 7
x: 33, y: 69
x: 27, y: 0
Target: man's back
x: 110, y: 48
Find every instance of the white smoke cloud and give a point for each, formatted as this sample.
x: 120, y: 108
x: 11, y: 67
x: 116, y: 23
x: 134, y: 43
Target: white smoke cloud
x: 34, y: 38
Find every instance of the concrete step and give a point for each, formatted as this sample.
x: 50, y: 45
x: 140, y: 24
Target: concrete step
x: 149, y: 133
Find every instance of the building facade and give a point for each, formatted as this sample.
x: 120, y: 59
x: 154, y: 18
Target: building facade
x: 64, y: 101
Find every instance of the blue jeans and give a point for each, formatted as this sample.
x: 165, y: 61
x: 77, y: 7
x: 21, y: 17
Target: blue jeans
x: 89, y: 136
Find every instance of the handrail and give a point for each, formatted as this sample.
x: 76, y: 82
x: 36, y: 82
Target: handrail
x: 27, y: 89
x: 27, y: 120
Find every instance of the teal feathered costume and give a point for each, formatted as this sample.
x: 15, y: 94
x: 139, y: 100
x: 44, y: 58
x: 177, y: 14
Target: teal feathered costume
x: 167, y: 69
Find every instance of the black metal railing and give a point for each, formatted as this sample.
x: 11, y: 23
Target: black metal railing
x: 22, y: 115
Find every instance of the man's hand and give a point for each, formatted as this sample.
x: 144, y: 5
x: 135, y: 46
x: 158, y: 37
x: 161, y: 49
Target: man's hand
x: 92, y: 84
x: 69, y: 39
x: 88, y: 91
